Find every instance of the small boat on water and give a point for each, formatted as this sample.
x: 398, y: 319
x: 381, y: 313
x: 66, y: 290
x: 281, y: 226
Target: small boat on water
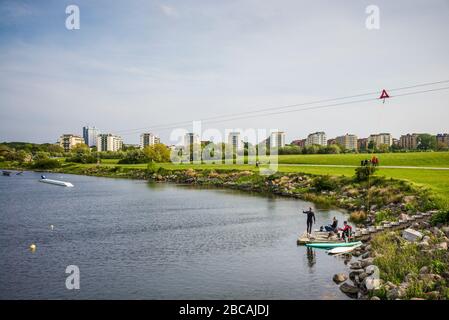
x: 56, y: 182
x: 327, y: 245
x: 6, y: 173
x: 340, y: 250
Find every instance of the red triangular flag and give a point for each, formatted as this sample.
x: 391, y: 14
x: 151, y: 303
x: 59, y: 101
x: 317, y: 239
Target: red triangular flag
x: 384, y: 94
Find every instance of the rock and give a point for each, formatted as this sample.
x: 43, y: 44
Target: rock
x: 368, y: 247
x: 355, y: 265
x: 362, y: 276
x: 423, y: 245
x: 417, y: 299
x: 349, y: 290
x: 442, y: 246
x: 424, y: 270
x: 412, y: 235
x: 433, y: 295
x: 372, y: 283
x: 415, y: 225
x: 370, y: 269
x: 375, y: 298
x: 365, y: 255
x: 366, y: 262
x: 355, y: 273
x: 409, y: 277
x: 430, y: 277
x: 403, y: 216
x: 445, y: 230
x: 339, y: 278
x: 396, y: 293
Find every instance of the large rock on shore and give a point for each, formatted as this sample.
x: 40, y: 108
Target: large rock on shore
x: 412, y: 235
x: 349, y: 290
x: 339, y: 278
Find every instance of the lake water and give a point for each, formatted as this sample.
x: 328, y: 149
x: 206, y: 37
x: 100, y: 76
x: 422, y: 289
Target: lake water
x: 134, y: 240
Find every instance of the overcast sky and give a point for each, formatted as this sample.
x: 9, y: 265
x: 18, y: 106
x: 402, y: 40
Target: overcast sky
x: 135, y: 64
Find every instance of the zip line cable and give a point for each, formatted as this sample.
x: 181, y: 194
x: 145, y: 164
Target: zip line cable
x: 284, y: 107
x: 246, y: 115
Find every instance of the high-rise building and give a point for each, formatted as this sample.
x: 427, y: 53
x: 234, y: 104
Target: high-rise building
x: 331, y: 142
x: 235, y: 141
x: 318, y: 138
x: 277, y: 139
x: 409, y: 141
x: 148, y: 139
x: 362, y: 144
x: 443, y: 139
x: 300, y: 142
x: 90, y: 135
x: 68, y: 141
x: 191, y: 139
x: 348, y: 141
x: 109, y: 142
x: 381, y: 138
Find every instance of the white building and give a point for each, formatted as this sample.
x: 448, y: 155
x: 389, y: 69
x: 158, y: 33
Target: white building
x: 68, y: 141
x: 109, y: 142
x: 277, y: 139
x: 318, y: 138
x: 191, y: 139
x: 148, y: 139
x: 381, y: 138
x: 348, y: 141
x: 90, y: 135
x: 235, y: 141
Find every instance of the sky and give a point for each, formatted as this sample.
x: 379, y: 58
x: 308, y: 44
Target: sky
x: 135, y: 64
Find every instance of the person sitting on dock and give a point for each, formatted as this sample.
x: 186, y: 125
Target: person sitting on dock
x: 310, y: 218
x: 346, y: 231
x: 332, y: 227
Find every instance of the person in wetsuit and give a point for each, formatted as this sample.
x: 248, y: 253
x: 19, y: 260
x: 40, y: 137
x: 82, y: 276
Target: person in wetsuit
x: 310, y: 219
x: 333, y: 226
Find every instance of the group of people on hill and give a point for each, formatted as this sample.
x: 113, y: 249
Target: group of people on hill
x: 374, y: 161
x: 333, y: 227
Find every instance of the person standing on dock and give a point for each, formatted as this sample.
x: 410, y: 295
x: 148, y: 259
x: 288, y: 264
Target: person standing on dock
x: 310, y: 220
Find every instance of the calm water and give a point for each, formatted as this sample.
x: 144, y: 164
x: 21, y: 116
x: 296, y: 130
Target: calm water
x: 132, y: 240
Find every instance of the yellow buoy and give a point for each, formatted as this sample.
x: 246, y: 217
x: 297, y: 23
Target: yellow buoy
x: 32, y: 247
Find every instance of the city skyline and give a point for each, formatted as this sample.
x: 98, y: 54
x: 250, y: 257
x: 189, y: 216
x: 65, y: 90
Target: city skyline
x: 179, y: 62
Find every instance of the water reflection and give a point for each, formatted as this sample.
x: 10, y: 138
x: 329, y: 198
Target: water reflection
x: 311, y: 257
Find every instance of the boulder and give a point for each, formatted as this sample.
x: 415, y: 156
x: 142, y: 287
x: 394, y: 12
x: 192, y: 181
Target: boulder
x: 375, y: 298
x: 412, y: 235
x: 355, y: 273
x: 372, y: 283
x: 445, y: 230
x: 370, y: 269
x: 349, y: 290
x: 366, y: 262
x: 442, y: 246
x: 396, y: 293
x: 339, y: 278
x: 356, y: 265
x: 424, y: 270
x: 362, y: 276
x: 365, y: 255
x: 403, y: 216
x: 430, y: 277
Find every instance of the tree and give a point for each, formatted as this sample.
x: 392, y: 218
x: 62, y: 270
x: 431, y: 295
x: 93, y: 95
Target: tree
x: 426, y: 142
x: 383, y: 148
x: 80, y: 148
x: 157, y: 153
x: 333, y: 149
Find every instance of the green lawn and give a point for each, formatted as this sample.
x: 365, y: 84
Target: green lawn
x: 418, y: 159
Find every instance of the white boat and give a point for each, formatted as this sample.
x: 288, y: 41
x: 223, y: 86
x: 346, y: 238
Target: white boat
x: 56, y: 182
x: 340, y: 250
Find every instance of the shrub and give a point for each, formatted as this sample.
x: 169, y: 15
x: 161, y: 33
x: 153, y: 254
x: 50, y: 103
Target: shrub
x: 357, y: 216
x: 323, y: 183
x: 362, y: 173
x: 441, y: 216
x: 46, y: 164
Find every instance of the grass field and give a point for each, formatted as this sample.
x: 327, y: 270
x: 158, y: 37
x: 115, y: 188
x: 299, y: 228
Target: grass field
x: 418, y: 159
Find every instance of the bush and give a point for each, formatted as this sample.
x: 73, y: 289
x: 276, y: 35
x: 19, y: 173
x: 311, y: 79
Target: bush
x: 440, y: 217
x: 364, y: 172
x: 357, y: 216
x: 82, y: 158
x: 46, y: 164
x: 323, y: 183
